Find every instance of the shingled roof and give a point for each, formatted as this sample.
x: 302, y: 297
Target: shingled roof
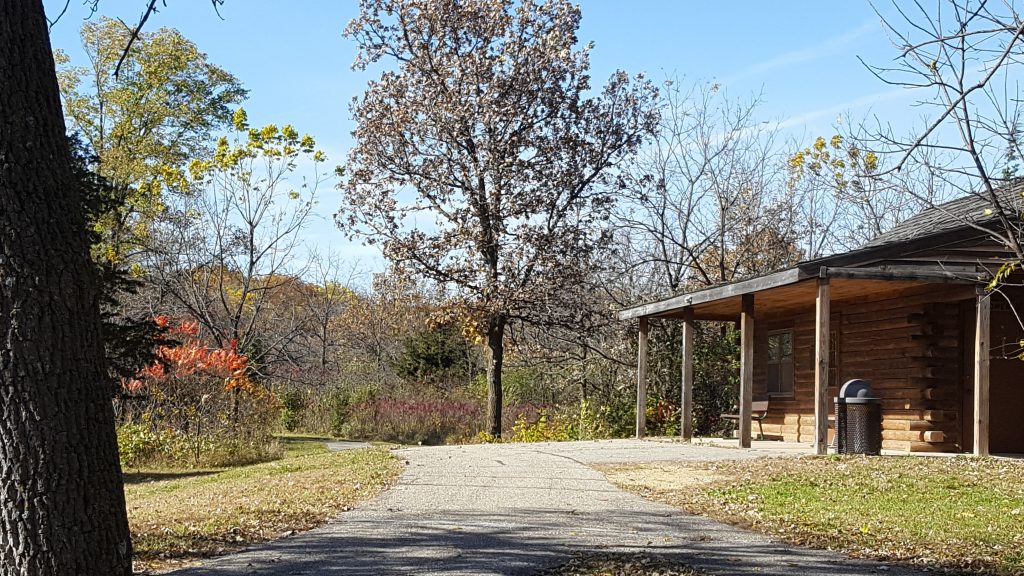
x: 917, y: 236
x: 952, y: 215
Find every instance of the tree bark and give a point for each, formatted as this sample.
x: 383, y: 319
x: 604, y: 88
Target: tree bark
x: 62, y: 509
x: 496, y: 356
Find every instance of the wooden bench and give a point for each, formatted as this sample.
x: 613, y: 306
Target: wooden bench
x: 758, y: 412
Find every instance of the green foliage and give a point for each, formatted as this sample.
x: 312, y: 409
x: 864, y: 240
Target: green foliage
x: 340, y: 402
x: 716, y: 377
x: 542, y: 430
x: 143, y: 446
x: 144, y: 124
x: 293, y: 404
x: 523, y: 385
x: 436, y: 355
x: 129, y: 339
x: 590, y: 422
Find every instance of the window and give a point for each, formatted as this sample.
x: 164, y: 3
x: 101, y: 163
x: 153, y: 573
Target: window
x: 780, y: 363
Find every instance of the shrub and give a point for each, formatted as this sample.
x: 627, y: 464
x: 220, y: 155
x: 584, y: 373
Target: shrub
x: 293, y: 405
x: 340, y: 405
x: 411, y: 421
x: 580, y: 422
x: 144, y: 446
x: 542, y: 430
x: 662, y: 418
x: 426, y: 421
x: 196, y: 405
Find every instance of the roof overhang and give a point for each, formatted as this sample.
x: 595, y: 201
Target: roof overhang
x: 778, y: 281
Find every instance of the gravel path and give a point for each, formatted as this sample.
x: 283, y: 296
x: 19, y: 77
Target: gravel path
x: 512, y: 509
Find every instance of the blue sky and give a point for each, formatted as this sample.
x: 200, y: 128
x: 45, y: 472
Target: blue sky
x: 802, y: 58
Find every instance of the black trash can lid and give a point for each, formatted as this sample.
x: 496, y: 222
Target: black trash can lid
x: 856, y: 391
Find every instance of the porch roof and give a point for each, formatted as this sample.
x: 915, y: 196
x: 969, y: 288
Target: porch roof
x: 792, y: 288
x: 941, y: 244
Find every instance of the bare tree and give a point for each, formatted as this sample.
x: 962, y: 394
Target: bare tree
x: 229, y: 254
x: 326, y: 293
x: 707, y: 201
x: 846, y: 196
x: 481, y: 162
x: 965, y: 56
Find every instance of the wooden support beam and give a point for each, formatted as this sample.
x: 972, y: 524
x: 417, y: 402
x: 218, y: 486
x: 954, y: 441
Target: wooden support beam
x: 774, y: 280
x: 908, y: 273
x: 746, y: 368
x: 686, y: 415
x: 821, y: 359
x: 981, y: 373
x: 641, y: 380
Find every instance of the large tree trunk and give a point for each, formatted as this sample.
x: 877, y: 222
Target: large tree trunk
x: 62, y: 509
x: 495, y: 357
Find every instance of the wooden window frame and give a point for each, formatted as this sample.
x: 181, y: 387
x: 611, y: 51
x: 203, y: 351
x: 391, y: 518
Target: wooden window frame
x: 784, y: 392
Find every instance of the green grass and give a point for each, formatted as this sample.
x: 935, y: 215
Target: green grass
x: 178, y: 517
x: 958, y: 514
x: 294, y: 445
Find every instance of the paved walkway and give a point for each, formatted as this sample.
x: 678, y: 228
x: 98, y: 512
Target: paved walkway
x: 342, y: 445
x: 512, y: 509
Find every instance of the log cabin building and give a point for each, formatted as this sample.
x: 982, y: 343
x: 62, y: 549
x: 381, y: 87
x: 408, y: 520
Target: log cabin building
x: 907, y: 312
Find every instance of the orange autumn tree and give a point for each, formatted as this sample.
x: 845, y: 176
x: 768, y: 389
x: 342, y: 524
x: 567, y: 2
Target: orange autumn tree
x: 198, y: 402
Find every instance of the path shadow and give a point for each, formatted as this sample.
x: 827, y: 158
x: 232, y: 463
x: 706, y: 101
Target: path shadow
x: 523, y: 542
x: 142, y: 477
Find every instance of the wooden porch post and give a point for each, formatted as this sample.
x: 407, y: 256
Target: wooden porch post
x: 686, y: 425
x: 821, y: 358
x: 641, y: 380
x: 981, y: 373
x: 746, y: 367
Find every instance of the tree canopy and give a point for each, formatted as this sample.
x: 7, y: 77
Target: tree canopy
x: 484, y: 160
x: 147, y: 122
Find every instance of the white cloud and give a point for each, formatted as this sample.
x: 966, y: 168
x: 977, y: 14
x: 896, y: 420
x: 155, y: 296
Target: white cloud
x: 804, y: 54
x: 833, y: 111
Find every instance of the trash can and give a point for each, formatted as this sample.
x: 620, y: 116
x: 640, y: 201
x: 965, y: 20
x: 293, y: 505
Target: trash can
x: 858, y: 419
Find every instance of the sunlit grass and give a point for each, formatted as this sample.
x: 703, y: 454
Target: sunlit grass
x: 953, y: 513
x: 178, y: 517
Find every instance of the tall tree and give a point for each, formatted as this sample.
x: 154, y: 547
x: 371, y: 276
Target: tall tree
x: 228, y: 254
x: 706, y: 201
x: 145, y: 122
x: 62, y: 509
x: 482, y: 162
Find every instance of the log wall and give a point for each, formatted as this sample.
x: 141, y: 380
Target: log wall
x: 906, y: 343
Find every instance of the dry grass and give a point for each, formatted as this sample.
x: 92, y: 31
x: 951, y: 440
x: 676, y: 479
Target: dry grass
x: 955, y: 514
x: 178, y: 517
x: 615, y: 564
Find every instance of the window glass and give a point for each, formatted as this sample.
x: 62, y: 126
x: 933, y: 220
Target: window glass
x: 781, y: 374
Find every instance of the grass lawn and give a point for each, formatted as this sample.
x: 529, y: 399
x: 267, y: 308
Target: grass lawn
x: 959, y: 514
x: 178, y: 517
